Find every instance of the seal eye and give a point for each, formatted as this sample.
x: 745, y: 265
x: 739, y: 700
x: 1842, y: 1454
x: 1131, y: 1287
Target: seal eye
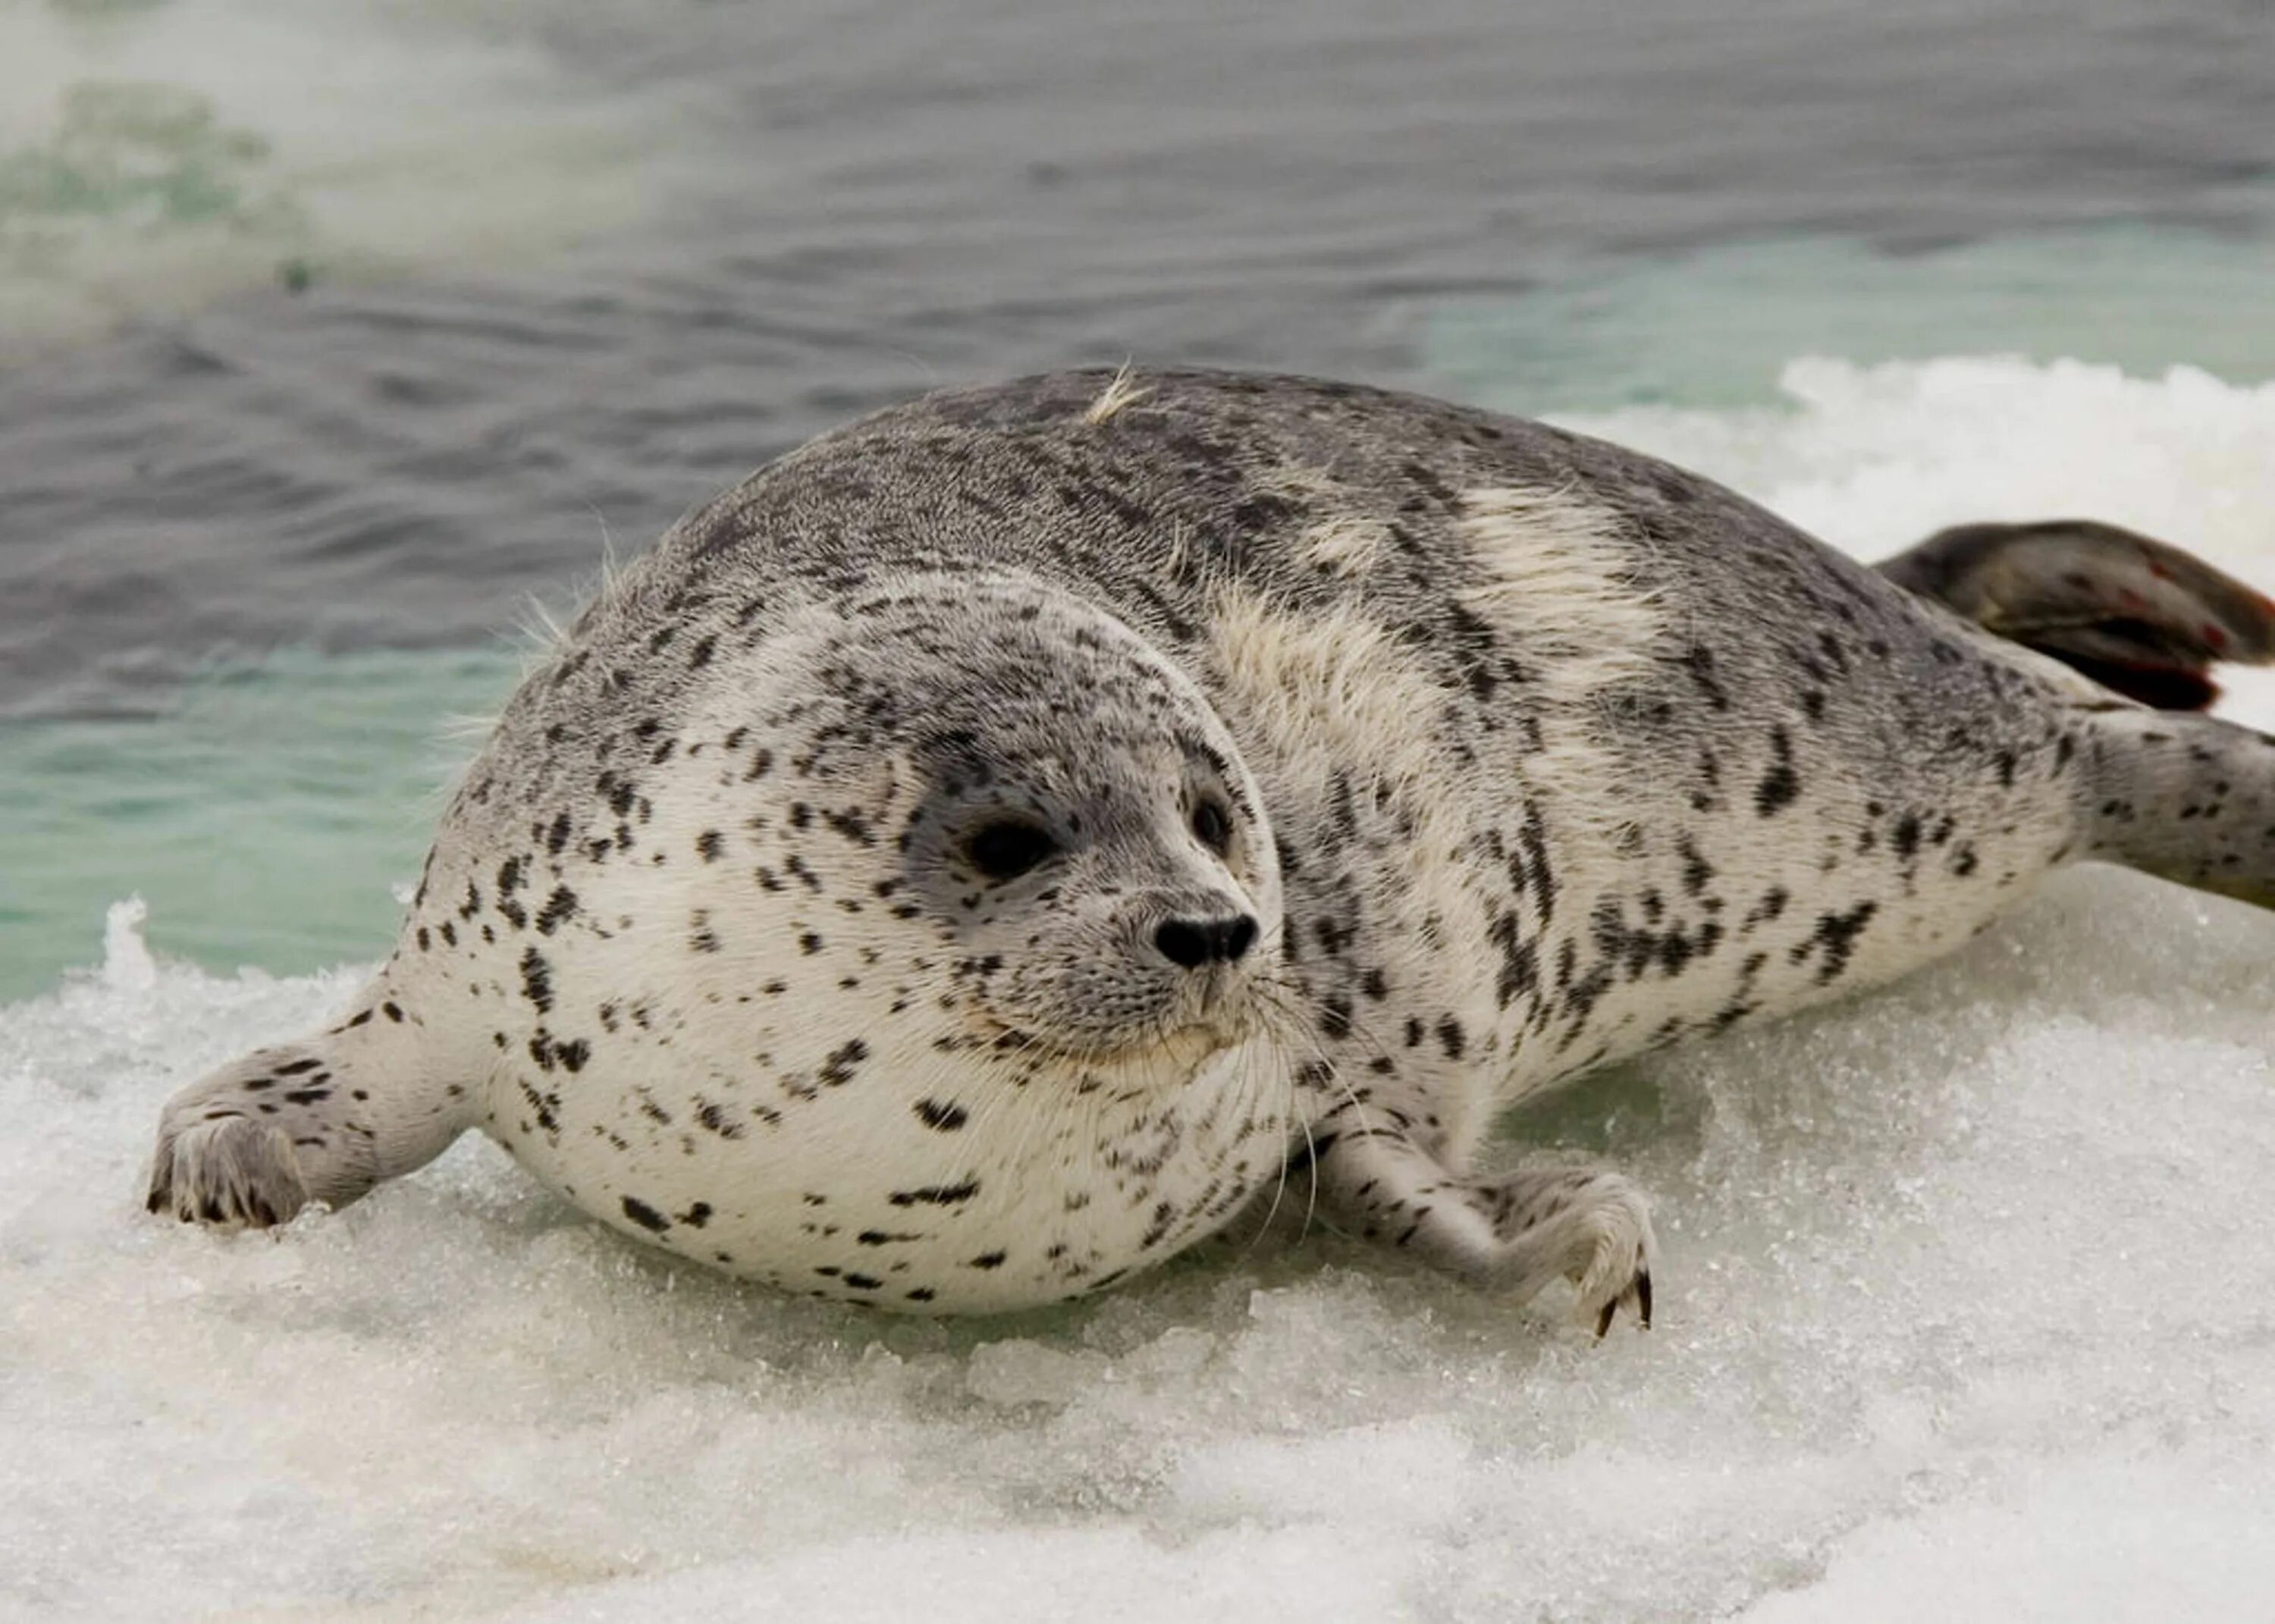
x: 1212, y: 827
x: 1007, y: 849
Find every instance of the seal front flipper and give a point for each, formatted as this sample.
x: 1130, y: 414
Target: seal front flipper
x: 1519, y: 1232
x: 321, y: 1119
x: 2132, y: 613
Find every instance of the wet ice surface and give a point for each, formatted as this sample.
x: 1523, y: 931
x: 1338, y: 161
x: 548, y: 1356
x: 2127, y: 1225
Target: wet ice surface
x: 1967, y: 1311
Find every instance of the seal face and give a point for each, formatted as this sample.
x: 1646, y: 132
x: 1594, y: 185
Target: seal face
x: 903, y: 979
x: 973, y: 858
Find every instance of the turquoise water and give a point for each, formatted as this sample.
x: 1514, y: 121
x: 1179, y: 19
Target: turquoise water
x: 1714, y: 327
x: 265, y: 819
x: 158, y: 154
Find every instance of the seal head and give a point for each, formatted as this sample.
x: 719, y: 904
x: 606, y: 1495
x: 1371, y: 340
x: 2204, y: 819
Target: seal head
x: 987, y: 1019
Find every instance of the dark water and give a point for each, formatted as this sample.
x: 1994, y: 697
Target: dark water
x: 852, y: 202
x: 834, y: 205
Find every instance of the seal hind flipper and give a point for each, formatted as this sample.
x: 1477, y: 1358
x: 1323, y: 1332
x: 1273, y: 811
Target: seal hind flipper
x: 2188, y: 798
x: 322, y: 1119
x: 2135, y: 614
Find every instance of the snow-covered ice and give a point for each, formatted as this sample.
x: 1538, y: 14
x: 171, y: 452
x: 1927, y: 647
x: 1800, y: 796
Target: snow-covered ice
x: 1966, y: 1311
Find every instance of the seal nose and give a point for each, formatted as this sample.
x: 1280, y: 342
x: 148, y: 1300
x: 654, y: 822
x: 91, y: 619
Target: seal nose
x: 1191, y: 943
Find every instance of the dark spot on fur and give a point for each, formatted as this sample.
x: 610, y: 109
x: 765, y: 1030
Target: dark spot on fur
x: 646, y: 1216
x: 1778, y: 788
x: 839, y: 1066
x: 536, y: 979
x: 714, y: 1119
x: 1696, y: 871
x: 1699, y: 662
x: 1835, y: 937
x: 558, y: 907
x: 936, y: 1195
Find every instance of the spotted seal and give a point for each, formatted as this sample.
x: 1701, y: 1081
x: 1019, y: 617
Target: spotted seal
x: 971, y: 860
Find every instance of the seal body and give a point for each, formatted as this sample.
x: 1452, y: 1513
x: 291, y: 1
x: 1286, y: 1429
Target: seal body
x: 968, y: 860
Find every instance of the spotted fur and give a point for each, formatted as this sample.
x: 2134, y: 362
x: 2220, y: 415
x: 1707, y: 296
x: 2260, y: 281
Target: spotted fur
x: 969, y: 861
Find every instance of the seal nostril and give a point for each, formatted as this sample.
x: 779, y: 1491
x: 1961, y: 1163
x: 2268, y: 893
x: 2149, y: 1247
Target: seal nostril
x: 1192, y: 943
x: 1182, y: 944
